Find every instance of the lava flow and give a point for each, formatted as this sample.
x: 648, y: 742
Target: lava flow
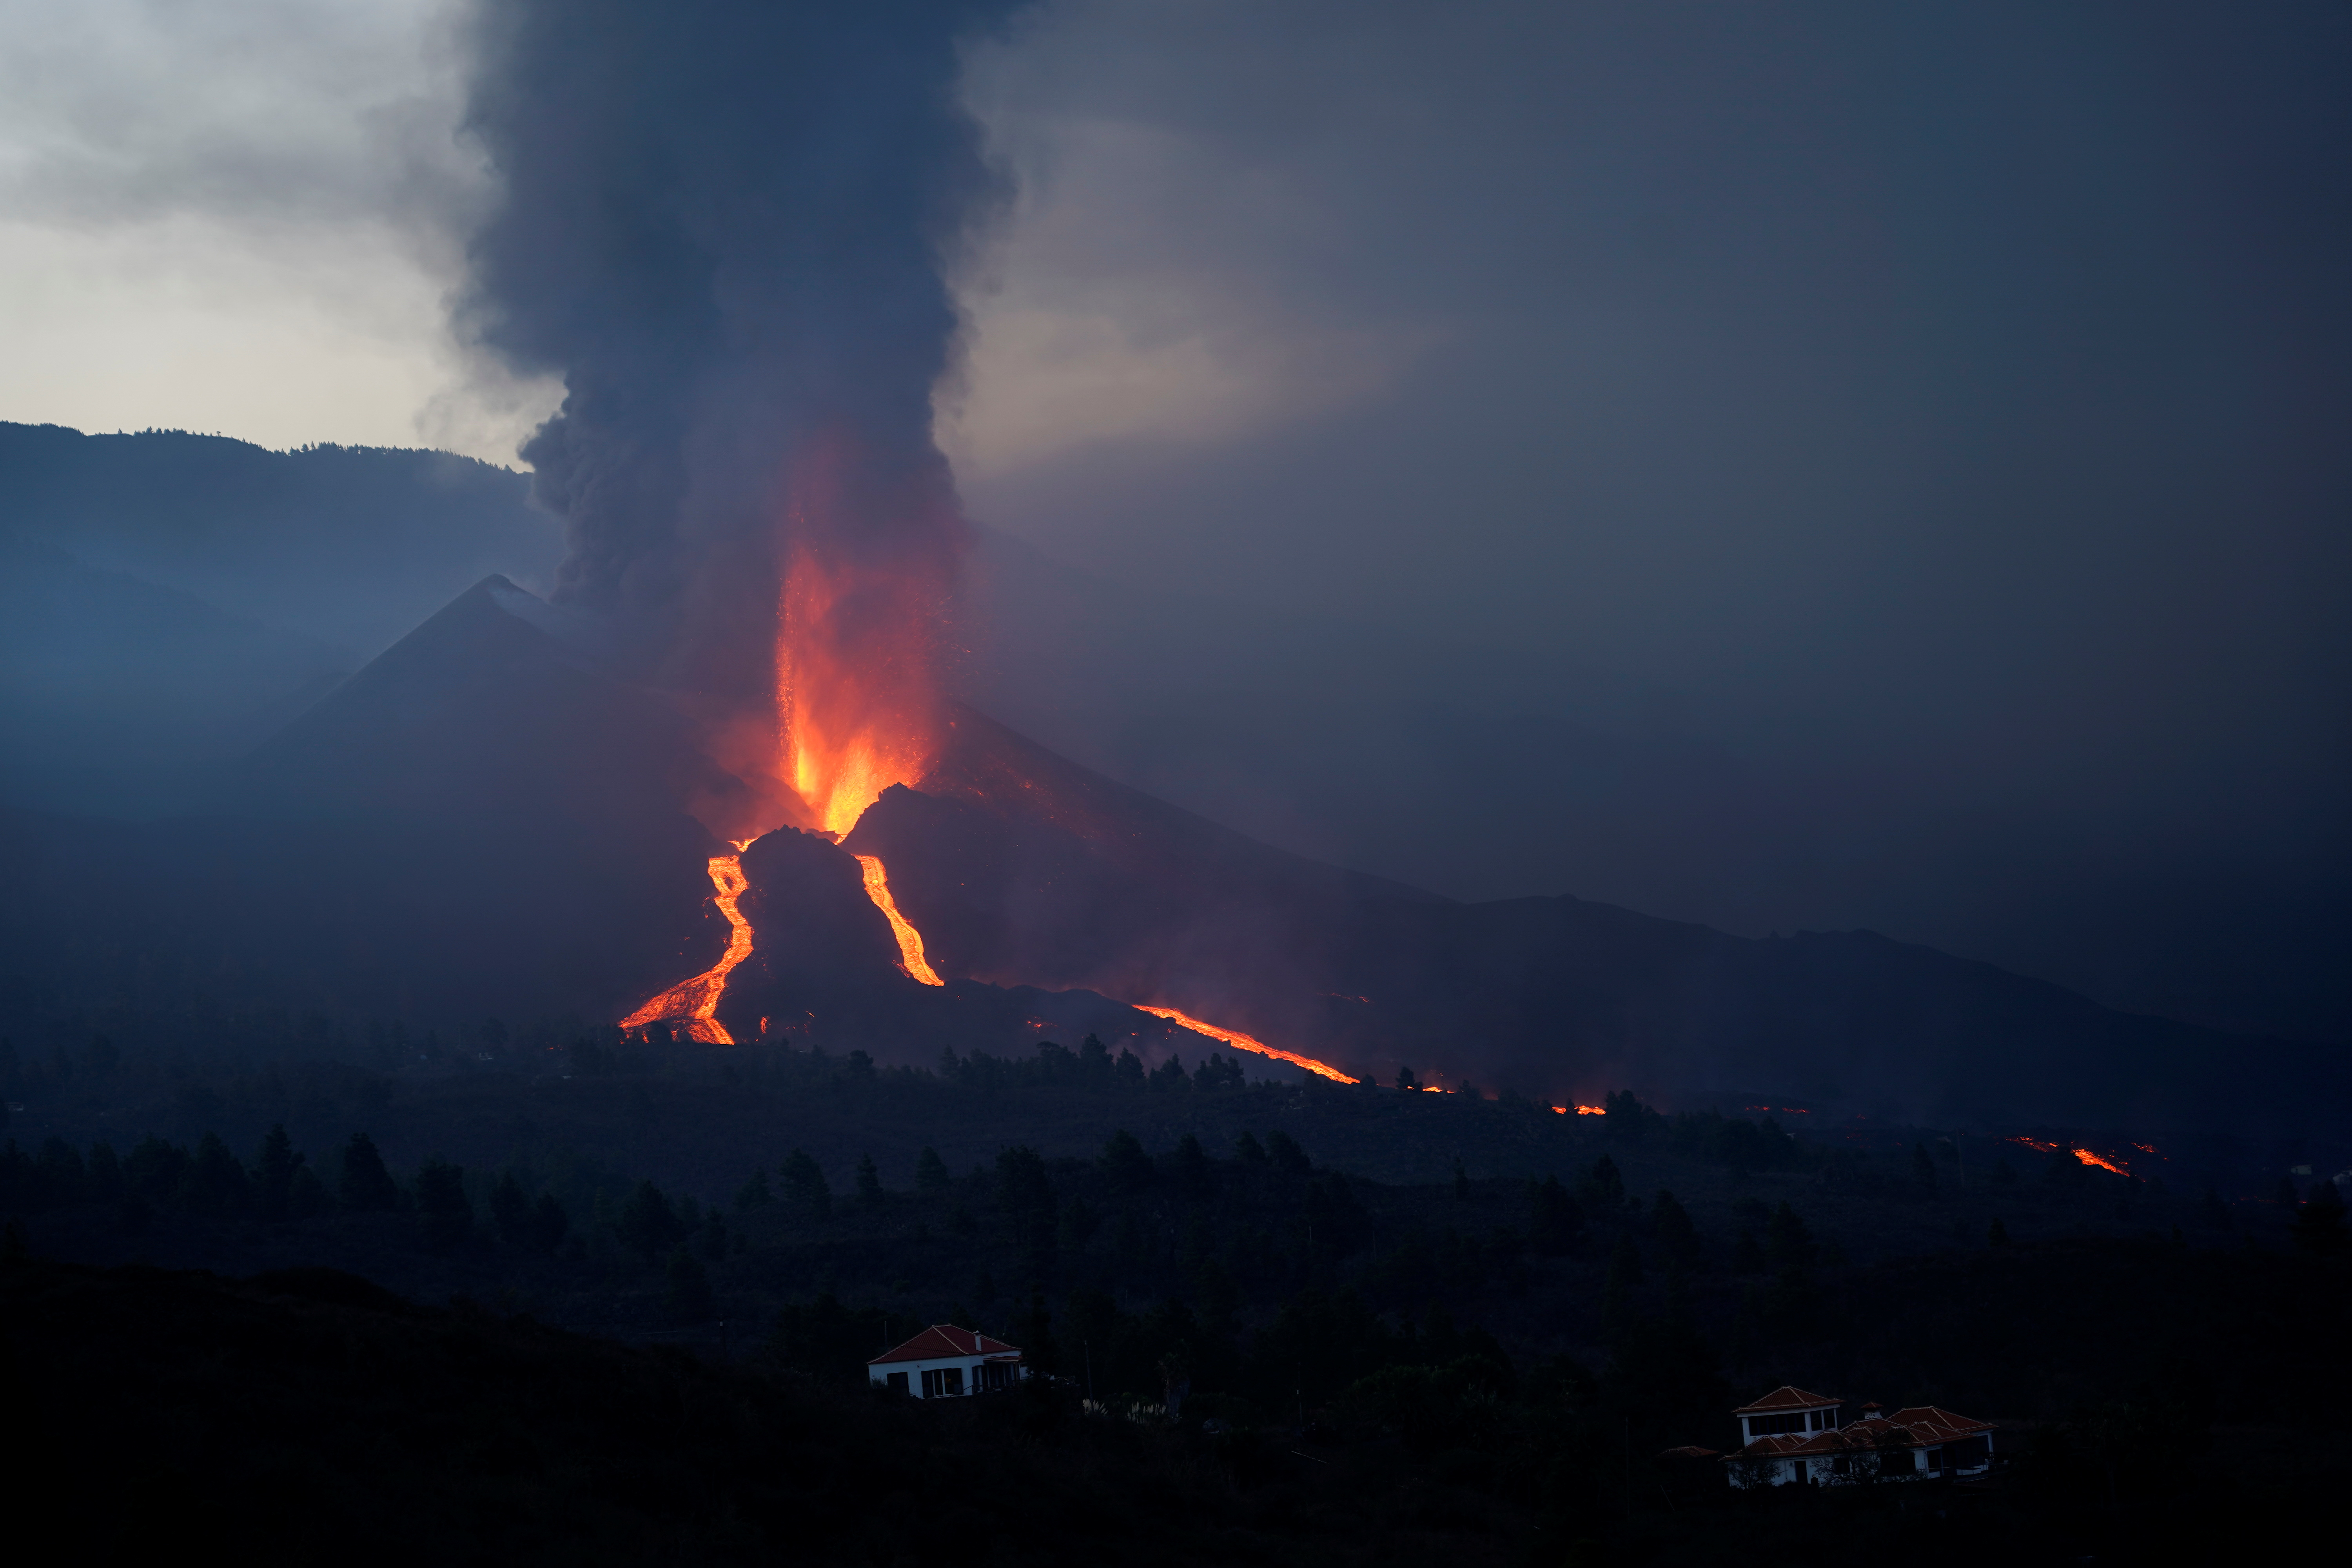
x: 695, y: 1003
x: 910, y: 941
x: 1245, y: 1042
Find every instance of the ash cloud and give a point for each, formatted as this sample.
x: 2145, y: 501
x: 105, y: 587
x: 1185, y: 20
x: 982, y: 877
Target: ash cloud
x: 728, y: 227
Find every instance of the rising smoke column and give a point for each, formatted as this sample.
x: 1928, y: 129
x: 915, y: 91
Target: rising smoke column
x: 727, y: 225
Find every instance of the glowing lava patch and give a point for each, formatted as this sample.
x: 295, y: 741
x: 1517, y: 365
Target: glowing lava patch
x: 1245, y: 1042
x: 695, y: 1003
x: 910, y: 941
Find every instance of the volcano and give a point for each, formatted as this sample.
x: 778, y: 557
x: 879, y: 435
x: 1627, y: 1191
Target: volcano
x: 486, y: 819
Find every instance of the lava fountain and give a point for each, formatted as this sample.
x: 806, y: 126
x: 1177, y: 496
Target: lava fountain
x: 868, y: 571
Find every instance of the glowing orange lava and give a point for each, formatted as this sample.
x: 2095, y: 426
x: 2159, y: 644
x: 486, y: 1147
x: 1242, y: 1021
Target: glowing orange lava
x: 695, y: 1003
x: 910, y: 941
x: 1581, y: 1110
x: 1245, y: 1042
x: 2085, y: 1155
x: 856, y: 693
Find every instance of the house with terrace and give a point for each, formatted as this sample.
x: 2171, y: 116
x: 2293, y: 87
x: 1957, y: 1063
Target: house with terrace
x: 944, y: 1362
x: 1794, y: 1437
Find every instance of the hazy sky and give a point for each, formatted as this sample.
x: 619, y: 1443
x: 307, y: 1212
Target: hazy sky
x: 1939, y: 408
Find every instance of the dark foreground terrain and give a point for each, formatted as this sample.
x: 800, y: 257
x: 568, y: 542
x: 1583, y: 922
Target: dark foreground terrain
x: 1403, y: 1326
x: 307, y: 1415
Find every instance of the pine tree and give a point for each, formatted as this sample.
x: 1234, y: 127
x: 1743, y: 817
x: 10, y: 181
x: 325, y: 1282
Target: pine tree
x: 215, y: 1185
x: 805, y: 1185
x: 1671, y: 1224
x: 1124, y: 1167
x: 2319, y: 1223
x: 691, y: 1296
x: 647, y: 1224
x: 367, y: 1187
x: 273, y: 1174
x: 1190, y: 1162
x: 1285, y: 1153
x: 1557, y: 1223
x: 1923, y: 1171
x: 1790, y: 1243
x: 442, y: 1205
x: 1747, y: 1257
x: 511, y: 1210
x: 932, y: 1171
x: 548, y: 1224
x: 869, y: 1182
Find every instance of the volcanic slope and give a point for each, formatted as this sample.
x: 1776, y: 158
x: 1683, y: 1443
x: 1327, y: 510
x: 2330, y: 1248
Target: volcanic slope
x: 1014, y: 861
x: 483, y: 820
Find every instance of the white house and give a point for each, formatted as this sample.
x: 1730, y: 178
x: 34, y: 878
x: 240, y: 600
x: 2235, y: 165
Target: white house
x: 1792, y: 1437
x: 943, y: 1362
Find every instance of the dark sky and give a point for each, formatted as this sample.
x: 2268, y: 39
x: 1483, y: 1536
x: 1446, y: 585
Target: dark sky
x: 1928, y: 421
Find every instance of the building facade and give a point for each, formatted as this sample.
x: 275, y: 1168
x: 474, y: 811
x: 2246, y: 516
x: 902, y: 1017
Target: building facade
x: 945, y: 1362
x: 1793, y: 1437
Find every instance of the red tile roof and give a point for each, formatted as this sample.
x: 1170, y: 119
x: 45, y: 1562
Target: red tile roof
x: 1933, y: 1424
x: 1786, y: 1398
x: 945, y: 1342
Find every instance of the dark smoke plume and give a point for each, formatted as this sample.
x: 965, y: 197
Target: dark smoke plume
x: 726, y: 224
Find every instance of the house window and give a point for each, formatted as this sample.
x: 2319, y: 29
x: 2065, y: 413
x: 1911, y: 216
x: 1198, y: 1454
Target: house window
x: 1935, y: 1459
x: 898, y: 1382
x: 942, y: 1381
x: 1800, y: 1472
x: 992, y: 1374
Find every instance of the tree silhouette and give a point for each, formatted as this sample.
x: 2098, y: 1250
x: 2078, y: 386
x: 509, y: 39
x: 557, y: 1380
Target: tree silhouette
x: 442, y: 1205
x: 367, y: 1187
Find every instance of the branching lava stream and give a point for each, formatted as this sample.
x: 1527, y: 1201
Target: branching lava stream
x: 695, y: 1003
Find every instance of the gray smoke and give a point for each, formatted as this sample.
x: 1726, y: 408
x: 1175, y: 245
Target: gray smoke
x: 727, y: 225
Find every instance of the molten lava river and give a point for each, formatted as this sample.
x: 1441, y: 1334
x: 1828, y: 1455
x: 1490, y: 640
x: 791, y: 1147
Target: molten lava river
x: 910, y: 941
x: 694, y: 1004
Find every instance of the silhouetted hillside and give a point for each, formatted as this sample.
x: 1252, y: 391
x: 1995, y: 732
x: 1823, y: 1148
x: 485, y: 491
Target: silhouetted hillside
x: 350, y: 546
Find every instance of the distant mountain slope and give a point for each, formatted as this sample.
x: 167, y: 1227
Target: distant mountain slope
x: 479, y: 712
x: 120, y: 697
x: 1560, y: 997
x: 350, y: 546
